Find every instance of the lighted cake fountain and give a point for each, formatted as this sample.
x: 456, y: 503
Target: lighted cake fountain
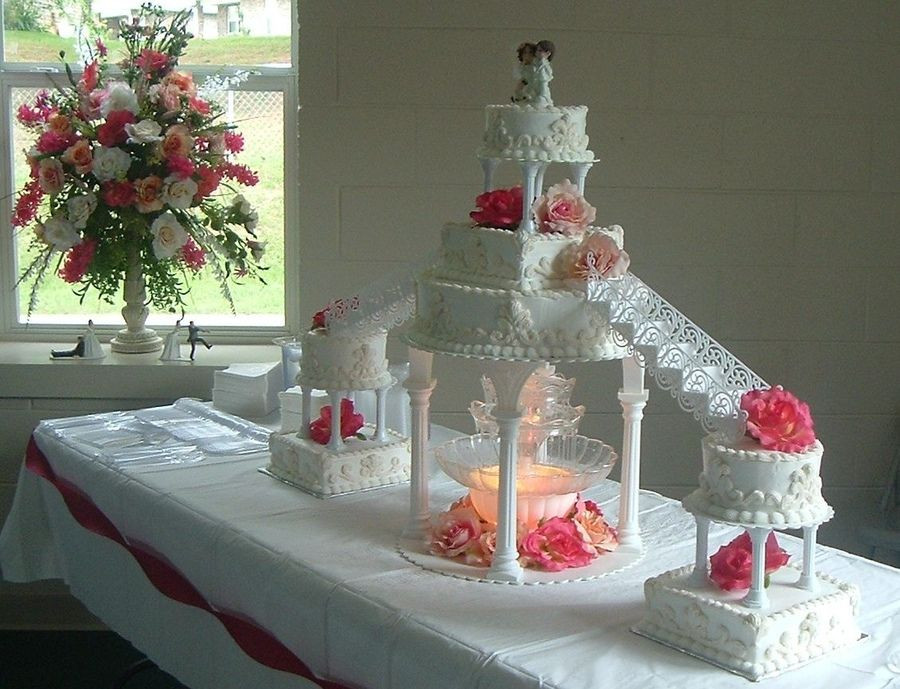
x: 555, y: 463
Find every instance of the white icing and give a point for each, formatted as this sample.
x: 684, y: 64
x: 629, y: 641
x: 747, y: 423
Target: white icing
x: 750, y: 485
x: 489, y: 257
x: 331, y: 362
x: 360, y: 465
x: 528, y: 132
x: 798, y: 625
x: 547, y: 325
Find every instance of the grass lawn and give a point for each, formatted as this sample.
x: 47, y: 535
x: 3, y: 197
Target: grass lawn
x: 30, y: 46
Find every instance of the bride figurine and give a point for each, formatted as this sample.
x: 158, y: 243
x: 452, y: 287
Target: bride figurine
x: 172, y: 347
x: 92, y: 347
x: 542, y: 75
x: 524, y: 72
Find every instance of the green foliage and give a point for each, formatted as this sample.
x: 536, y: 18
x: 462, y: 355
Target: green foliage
x: 22, y: 15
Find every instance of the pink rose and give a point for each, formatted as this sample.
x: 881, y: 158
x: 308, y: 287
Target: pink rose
x: 556, y: 545
x: 598, y: 254
x: 563, y: 209
x: 731, y: 567
x: 500, y: 208
x: 455, y: 531
x: 351, y: 422
x: 112, y: 132
x: 170, y: 98
x: 594, y: 529
x: 778, y: 420
x: 50, y: 175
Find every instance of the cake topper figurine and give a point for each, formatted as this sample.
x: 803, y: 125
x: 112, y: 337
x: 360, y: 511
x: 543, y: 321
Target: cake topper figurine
x: 172, y: 347
x: 87, y: 346
x: 194, y: 337
x: 535, y: 74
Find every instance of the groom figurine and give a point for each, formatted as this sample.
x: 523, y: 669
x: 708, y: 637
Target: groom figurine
x: 194, y: 338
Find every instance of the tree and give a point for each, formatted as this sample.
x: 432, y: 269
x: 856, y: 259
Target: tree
x: 22, y: 15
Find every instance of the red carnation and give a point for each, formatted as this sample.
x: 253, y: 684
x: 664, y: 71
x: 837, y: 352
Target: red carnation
x: 351, y: 422
x: 78, y: 260
x: 500, y: 208
x: 118, y: 194
x: 731, y: 567
x: 180, y: 166
x: 112, y: 132
x: 54, y: 142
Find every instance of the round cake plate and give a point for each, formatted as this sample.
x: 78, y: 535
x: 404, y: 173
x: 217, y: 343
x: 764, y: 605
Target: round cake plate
x: 605, y: 564
x: 690, y: 507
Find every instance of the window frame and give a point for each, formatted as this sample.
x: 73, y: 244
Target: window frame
x: 264, y: 78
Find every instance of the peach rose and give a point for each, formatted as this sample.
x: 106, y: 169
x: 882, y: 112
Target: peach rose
x: 481, y: 552
x: 59, y: 124
x: 169, y: 97
x: 183, y: 81
x: 455, y: 531
x: 556, y: 545
x: 594, y: 529
x: 563, y: 209
x: 598, y: 254
x: 80, y: 156
x: 176, y: 141
x: 50, y: 175
x: 149, y: 194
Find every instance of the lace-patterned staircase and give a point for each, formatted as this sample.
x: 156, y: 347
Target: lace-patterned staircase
x: 703, y: 376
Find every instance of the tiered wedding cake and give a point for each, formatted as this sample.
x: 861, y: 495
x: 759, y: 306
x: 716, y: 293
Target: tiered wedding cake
x: 339, y: 453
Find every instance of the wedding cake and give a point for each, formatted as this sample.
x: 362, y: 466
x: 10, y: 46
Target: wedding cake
x: 338, y: 452
x: 510, y: 284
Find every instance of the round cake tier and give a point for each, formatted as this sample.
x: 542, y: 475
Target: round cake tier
x: 528, y: 132
x: 334, y: 362
x: 748, y: 485
x: 545, y: 325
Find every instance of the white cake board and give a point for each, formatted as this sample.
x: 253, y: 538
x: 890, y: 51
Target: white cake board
x: 604, y: 565
x: 326, y: 496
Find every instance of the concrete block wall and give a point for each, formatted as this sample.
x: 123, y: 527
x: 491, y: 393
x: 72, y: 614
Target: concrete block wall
x: 750, y: 150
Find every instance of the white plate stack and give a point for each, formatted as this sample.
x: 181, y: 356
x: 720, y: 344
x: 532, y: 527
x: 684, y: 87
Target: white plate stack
x: 247, y: 390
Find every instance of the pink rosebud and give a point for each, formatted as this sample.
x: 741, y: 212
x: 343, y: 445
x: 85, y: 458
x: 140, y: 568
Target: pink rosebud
x: 563, y: 209
x: 778, y: 420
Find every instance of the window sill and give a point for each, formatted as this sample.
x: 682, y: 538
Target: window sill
x: 27, y: 371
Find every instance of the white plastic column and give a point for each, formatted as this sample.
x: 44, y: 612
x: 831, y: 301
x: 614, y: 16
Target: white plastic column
x: 756, y: 597
x: 808, y: 579
x: 419, y: 384
x: 489, y: 165
x: 700, y: 575
x: 633, y: 398
x: 508, y: 378
x: 579, y: 172
x: 539, y: 182
x: 335, y: 443
x: 381, y: 414
x: 529, y: 176
x: 305, y: 410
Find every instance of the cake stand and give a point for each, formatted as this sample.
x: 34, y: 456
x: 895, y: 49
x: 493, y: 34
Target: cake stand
x: 509, y: 376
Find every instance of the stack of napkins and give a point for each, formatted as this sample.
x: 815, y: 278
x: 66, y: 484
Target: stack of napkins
x: 248, y: 390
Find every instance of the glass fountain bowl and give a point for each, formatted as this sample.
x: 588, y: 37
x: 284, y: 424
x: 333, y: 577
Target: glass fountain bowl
x: 545, y: 488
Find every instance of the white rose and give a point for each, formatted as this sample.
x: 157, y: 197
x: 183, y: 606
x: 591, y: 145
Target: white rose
x: 60, y: 233
x: 110, y: 163
x: 252, y: 221
x: 168, y: 236
x: 179, y: 193
x: 153, y: 93
x: 119, y: 96
x: 143, y: 132
x: 80, y: 208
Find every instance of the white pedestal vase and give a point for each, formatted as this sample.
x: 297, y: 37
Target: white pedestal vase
x: 135, y: 338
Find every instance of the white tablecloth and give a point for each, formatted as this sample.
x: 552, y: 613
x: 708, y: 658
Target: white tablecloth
x: 325, y: 579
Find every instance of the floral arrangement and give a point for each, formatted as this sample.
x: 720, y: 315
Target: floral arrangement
x: 135, y: 168
x: 731, y: 567
x: 500, y: 208
x: 778, y: 420
x: 563, y: 209
x: 555, y: 544
x: 599, y: 255
x: 351, y: 422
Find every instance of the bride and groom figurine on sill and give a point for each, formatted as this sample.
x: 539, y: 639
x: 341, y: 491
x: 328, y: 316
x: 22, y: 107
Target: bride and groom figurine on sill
x: 535, y: 74
x: 87, y: 346
x: 172, y: 347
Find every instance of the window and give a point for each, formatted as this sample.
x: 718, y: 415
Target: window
x: 249, y: 35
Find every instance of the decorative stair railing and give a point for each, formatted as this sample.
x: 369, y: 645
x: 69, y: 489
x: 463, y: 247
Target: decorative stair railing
x: 703, y: 376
